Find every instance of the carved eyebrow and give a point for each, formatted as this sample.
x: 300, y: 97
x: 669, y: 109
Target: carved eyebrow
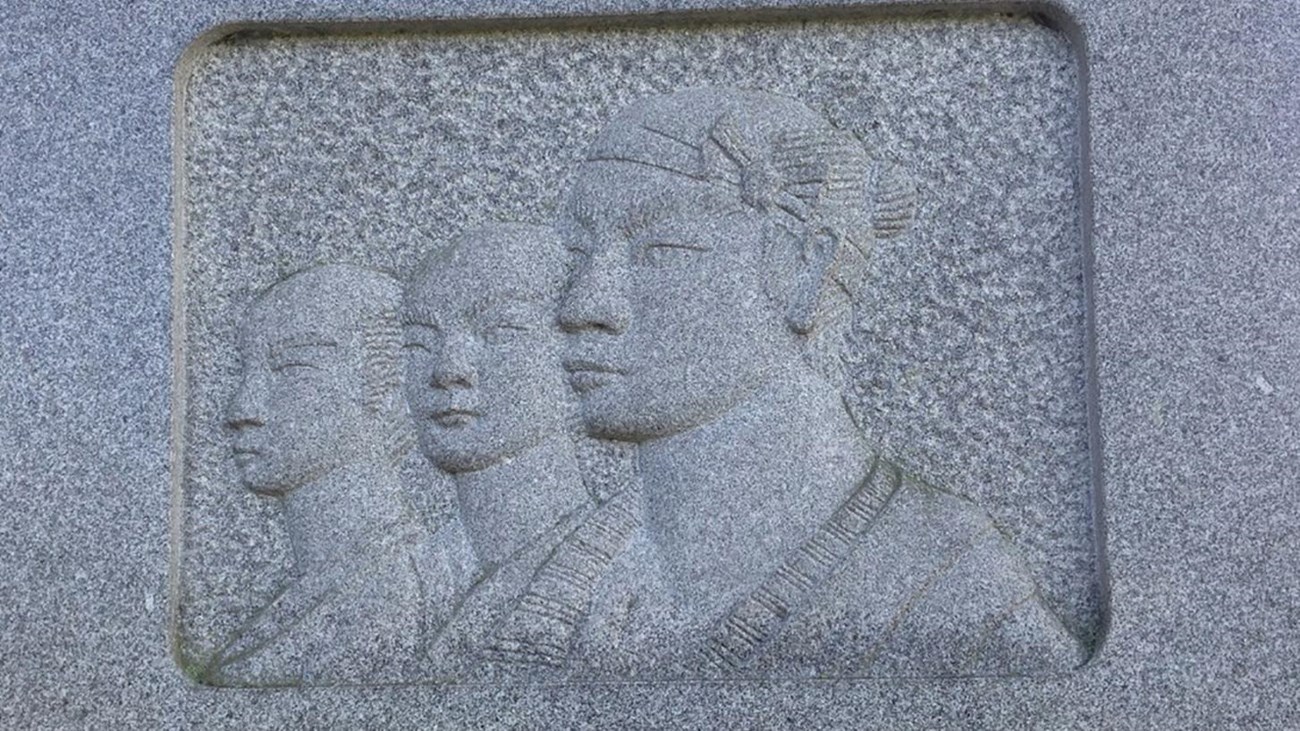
x: 487, y: 304
x: 309, y: 340
x: 658, y: 244
x: 649, y: 212
x: 659, y: 216
x: 291, y: 349
x: 526, y: 298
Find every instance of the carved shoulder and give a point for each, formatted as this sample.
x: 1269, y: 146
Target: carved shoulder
x: 971, y: 604
x: 934, y: 589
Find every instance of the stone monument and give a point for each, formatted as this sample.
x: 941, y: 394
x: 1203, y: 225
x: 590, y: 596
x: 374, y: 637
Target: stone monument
x: 692, y: 301
x: 649, y: 364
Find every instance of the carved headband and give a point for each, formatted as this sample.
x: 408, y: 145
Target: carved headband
x: 822, y: 177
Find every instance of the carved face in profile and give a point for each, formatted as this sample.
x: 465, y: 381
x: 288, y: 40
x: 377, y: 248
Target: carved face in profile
x: 708, y: 229
x: 301, y: 409
x: 669, y: 319
x: 483, y: 379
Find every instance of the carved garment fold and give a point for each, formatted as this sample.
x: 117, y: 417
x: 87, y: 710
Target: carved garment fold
x: 756, y: 619
x: 331, y: 626
x: 540, y: 629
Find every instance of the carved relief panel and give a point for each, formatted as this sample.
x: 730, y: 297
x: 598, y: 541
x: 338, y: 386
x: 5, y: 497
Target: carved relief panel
x: 722, y: 350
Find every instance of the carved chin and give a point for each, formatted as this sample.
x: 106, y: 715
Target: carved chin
x: 601, y: 425
x: 611, y: 415
x: 459, y: 461
x: 467, y: 453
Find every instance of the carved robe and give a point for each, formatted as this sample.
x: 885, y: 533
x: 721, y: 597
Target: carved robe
x: 520, y: 619
x: 903, y: 579
x: 369, y: 621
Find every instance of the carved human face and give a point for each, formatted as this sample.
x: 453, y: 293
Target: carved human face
x: 483, y: 379
x: 299, y: 412
x: 669, y: 323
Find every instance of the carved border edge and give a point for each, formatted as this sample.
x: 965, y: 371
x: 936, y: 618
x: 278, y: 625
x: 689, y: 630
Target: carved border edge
x: 1049, y: 13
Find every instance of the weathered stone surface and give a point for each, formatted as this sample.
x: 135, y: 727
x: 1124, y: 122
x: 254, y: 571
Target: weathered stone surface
x: 1180, y: 184
x: 730, y: 312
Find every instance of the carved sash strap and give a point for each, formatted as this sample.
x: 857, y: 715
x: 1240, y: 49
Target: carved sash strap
x: 540, y: 628
x: 759, y: 617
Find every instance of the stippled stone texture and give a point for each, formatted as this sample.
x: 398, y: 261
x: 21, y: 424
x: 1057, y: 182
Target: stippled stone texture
x: 1193, y: 168
x: 967, y: 362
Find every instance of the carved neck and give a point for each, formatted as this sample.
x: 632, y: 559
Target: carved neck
x: 330, y: 519
x: 506, y: 505
x: 727, y: 500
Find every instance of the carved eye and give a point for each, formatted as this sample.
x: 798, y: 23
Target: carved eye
x: 420, y: 338
x: 294, y: 367
x: 669, y: 253
x: 500, y: 332
x: 297, y: 358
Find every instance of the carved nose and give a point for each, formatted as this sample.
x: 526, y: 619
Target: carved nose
x: 243, y: 411
x: 454, y: 367
x: 596, y: 300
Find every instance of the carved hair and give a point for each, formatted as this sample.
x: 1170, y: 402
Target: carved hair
x: 381, y: 334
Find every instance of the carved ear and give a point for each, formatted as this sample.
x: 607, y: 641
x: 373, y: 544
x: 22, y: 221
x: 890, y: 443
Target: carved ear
x: 818, y: 254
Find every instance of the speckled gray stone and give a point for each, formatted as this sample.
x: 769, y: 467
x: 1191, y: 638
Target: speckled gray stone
x: 966, y: 338
x: 1192, y: 171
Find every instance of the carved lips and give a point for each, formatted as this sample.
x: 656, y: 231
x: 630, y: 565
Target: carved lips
x: 459, y: 409
x: 454, y: 417
x: 587, y: 375
x: 245, y: 456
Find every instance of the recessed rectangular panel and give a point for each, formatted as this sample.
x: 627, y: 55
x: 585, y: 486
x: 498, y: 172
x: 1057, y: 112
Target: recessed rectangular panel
x: 720, y: 350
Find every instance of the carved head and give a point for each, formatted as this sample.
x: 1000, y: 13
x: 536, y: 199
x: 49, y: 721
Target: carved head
x: 483, y: 378
x: 321, y: 384
x: 717, y: 235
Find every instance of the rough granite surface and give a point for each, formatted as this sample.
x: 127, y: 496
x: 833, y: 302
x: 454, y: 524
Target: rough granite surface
x: 967, y: 363
x: 1192, y: 119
